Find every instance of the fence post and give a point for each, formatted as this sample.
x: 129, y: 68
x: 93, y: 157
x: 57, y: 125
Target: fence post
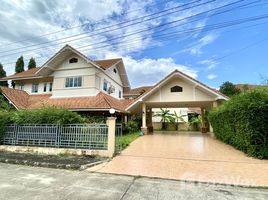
x: 111, y: 135
x: 15, y: 134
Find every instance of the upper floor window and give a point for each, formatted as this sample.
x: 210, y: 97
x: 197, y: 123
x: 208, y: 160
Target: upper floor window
x: 115, y: 71
x: 50, y: 87
x: 120, y: 94
x: 176, y: 89
x: 34, y: 87
x: 21, y: 87
x: 45, y: 87
x: 73, y: 81
x: 73, y: 60
x: 105, y: 85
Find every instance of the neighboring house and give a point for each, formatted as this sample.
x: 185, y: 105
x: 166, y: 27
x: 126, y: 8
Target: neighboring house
x: 71, y: 80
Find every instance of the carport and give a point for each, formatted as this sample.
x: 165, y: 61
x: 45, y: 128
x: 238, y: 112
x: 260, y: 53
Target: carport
x: 177, y: 90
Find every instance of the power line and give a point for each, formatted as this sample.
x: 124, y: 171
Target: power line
x: 84, y: 24
x: 142, y: 18
x: 140, y: 31
x: 197, y: 29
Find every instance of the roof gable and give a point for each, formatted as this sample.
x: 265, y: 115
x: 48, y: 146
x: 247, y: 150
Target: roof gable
x: 60, y: 56
x: 201, y: 87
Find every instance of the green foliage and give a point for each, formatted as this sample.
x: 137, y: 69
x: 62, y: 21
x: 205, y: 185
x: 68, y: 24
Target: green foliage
x: 19, y: 67
x: 4, y: 105
x: 32, y: 63
x: 243, y: 122
x: 125, y: 140
x: 177, y: 118
x: 3, y: 74
x: 95, y: 119
x: 229, y: 89
x: 47, y: 115
x: 166, y: 116
x: 131, y: 126
x: 5, y: 119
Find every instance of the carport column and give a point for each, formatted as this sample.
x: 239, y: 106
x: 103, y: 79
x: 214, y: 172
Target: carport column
x: 144, y: 126
x: 111, y: 135
x: 215, y: 104
x: 150, y: 121
x: 204, y: 128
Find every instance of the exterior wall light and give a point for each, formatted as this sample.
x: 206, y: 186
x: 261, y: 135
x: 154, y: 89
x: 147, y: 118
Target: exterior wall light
x: 112, y: 111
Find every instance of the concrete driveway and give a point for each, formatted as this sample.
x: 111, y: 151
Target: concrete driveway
x: 36, y: 183
x: 187, y: 156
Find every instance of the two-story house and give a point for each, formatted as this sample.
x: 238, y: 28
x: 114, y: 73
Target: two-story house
x: 71, y: 80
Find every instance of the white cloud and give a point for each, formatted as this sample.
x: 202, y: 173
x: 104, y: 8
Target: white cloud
x: 210, y: 64
x: 149, y: 71
x: 25, y: 19
x: 202, y: 42
x: 212, y: 76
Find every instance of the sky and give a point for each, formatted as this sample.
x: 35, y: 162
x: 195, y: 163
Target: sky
x: 211, y: 40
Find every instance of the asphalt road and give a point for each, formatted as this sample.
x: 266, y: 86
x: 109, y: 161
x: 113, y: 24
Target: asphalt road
x: 23, y: 182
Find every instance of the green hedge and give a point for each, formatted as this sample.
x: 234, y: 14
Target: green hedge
x: 243, y: 122
x: 49, y: 115
x: 39, y: 116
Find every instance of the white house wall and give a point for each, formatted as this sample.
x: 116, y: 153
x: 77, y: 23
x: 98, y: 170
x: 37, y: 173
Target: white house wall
x: 190, y: 92
x: 118, y: 85
x: 66, y: 69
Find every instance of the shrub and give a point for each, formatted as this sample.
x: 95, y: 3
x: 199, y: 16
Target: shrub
x: 49, y: 115
x: 5, y: 119
x: 95, y: 119
x: 131, y: 126
x: 243, y: 122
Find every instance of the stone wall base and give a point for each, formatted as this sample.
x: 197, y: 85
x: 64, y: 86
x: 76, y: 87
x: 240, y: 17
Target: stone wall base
x: 55, y: 151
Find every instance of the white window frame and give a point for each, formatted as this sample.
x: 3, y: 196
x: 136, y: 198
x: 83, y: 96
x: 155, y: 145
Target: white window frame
x: 35, y: 87
x: 107, y: 85
x: 72, y: 80
x: 50, y: 87
x: 45, y: 87
x: 21, y: 87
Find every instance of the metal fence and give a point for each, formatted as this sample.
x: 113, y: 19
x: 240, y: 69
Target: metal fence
x: 80, y: 136
x: 118, y: 138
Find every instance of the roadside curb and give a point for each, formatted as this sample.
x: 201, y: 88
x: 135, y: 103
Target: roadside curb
x: 50, y: 165
x: 84, y: 167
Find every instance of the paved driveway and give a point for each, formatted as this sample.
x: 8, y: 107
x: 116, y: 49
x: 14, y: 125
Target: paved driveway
x: 188, y: 156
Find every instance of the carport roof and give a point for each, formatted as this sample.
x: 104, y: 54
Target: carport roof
x: 178, y: 72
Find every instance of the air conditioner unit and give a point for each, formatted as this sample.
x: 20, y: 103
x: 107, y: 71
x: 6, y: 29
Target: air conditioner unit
x: 111, y: 89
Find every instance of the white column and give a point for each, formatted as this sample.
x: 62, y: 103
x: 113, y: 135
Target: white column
x: 203, y: 121
x: 111, y: 135
x: 144, y: 115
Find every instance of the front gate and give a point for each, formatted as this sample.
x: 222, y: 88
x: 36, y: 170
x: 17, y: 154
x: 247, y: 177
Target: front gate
x: 118, y: 138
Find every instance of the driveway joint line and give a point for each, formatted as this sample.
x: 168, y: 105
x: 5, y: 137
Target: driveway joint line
x: 201, y: 160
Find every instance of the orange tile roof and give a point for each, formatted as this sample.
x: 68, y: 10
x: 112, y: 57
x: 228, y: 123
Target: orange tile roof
x: 17, y: 97
x: 138, y: 91
x: 26, y: 74
x: 23, y: 100
x: 105, y: 64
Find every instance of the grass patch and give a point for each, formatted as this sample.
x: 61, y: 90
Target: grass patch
x: 126, y: 139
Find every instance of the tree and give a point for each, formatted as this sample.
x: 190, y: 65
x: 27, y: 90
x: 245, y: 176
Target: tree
x: 3, y: 74
x: 177, y: 118
x: 166, y: 116
x: 229, y: 89
x: 19, y: 65
x: 32, y: 63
